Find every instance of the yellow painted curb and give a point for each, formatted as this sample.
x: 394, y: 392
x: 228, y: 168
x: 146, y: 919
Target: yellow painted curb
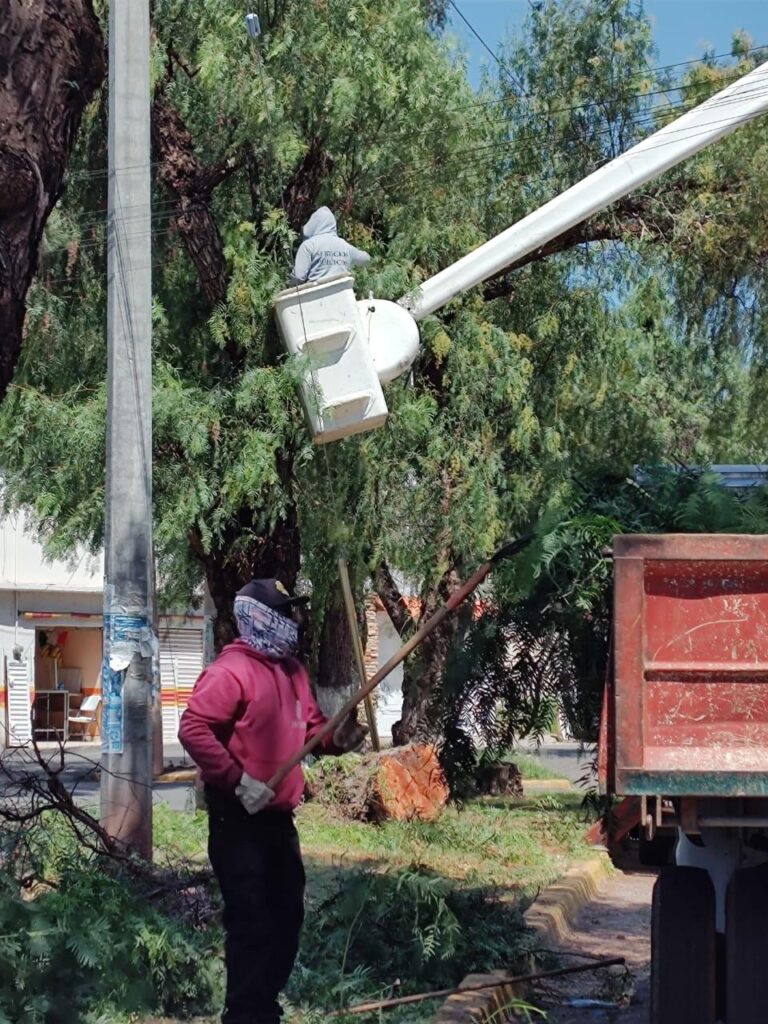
x: 546, y: 786
x: 177, y: 775
x: 553, y: 911
x: 496, y: 1004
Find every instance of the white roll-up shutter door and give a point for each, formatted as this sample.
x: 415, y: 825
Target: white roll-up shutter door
x: 181, y: 662
x: 19, y: 707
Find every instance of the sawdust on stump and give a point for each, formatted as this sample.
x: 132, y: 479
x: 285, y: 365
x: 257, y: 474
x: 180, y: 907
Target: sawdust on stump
x: 402, y: 784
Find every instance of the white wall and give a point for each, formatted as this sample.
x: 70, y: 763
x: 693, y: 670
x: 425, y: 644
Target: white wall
x: 389, y: 700
x: 23, y: 564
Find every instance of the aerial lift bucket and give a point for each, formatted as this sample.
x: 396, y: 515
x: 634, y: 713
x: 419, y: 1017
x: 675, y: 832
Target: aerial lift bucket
x: 347, y: 349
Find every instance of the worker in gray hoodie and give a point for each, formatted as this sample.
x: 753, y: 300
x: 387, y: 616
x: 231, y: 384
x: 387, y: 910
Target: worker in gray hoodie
x: 323, y: 254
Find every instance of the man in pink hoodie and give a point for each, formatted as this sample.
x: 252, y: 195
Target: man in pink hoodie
x: 251, y: 709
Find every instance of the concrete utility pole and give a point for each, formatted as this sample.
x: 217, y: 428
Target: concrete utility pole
x: 129, y: 640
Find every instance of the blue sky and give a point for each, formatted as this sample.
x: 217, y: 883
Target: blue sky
x: 682, y: 29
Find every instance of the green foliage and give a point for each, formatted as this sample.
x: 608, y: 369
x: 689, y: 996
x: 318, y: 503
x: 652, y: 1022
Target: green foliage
x: 442, y: 930
x: 417, y: 905
x: 544, y: 640
x: 90, y: 944
x: 97, y: 942
x: 645, y: 347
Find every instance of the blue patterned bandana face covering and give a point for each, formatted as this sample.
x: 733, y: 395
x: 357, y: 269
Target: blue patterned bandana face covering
x: 264, y: 629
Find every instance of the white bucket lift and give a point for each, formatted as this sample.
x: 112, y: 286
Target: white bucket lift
x: 354, y: 346
x: 340, y: 388
x: 350, y: 348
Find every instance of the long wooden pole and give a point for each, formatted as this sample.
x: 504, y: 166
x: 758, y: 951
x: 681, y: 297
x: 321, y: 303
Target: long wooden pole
x: 357, y: 644
x: 399, y: 656
x: 442, y: 993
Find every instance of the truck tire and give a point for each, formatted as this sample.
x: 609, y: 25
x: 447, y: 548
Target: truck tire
x: 746, y: 946
x: 683, y: 955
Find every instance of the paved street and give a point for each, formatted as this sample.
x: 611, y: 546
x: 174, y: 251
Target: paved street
x: 81, y: 772
x: 568, y: 759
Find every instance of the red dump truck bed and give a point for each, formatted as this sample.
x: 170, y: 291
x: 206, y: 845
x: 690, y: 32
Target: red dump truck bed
x: 687, y: 711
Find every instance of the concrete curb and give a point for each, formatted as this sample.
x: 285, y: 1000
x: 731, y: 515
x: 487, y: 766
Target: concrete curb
x: 176, y: 775
x: 533, y: 786
x: 493, y: 1004
x: 553, y: 911
x: 550, y: 915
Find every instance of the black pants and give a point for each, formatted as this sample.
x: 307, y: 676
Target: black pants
x: 257, y: 861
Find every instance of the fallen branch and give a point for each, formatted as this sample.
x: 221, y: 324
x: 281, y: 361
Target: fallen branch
x: 443, y: 993
x: 179, y: 885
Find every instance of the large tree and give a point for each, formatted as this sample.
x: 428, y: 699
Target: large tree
x: 602, y: 349
x: 51, y: 62
x: 640, y: 334
x: 246, y: 141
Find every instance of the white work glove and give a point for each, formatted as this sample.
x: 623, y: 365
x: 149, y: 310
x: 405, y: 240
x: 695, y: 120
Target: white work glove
x: 350, y: 734
x: 253, y: 794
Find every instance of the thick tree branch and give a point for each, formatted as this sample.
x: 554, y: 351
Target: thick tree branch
x: 631, y: 218
x: 51, y: 63
x: 393, y: 601
x: 191, y: 183
x: 301, y: 192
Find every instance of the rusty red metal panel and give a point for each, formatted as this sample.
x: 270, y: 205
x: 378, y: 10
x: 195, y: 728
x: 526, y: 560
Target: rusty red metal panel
x: 691, y: 655
x: 606, y: 753
x: 628, y: 618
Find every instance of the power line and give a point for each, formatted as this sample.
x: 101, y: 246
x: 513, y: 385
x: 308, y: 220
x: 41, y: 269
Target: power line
x: 478, y: 167
x: 668, y: 140
x: 168, y: 211
x: 169, y: 208
x: 396, y: 175
x: 487, y: 104
x: 485, y: 45
x: 664, y: 67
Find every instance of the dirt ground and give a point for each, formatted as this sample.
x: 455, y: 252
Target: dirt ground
x: 617, y: 923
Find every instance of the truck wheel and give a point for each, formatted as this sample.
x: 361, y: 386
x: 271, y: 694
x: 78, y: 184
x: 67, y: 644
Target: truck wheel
x: 683, y: 954
x: 746, y: 946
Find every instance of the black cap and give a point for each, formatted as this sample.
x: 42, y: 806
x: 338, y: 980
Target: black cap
x: 272, y: 593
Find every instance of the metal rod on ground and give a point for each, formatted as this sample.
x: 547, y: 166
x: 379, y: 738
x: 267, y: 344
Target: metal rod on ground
x: 399, y: 656
x: 127, y: 684
x: 443, y: 993
x: 349, y: 604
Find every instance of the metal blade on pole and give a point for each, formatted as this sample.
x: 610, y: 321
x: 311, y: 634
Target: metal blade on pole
x: 129, y: 638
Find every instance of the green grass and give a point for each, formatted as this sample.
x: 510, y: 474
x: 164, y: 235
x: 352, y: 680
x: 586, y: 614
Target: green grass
x: 514, y: 844
x: 180, y: 838
x: 477, y: 868
x: 414, y: 905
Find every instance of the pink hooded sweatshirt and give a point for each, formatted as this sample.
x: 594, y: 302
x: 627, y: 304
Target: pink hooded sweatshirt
x: 250, y: 713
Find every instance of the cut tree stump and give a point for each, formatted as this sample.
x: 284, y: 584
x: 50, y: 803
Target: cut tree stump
x: 402, y: 784
x: 503, y: 779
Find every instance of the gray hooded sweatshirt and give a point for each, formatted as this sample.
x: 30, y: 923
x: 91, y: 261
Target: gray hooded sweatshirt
x: 324, y: 254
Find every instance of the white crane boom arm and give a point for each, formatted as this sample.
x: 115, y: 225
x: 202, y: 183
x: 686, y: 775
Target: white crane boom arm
x: 716, y: 117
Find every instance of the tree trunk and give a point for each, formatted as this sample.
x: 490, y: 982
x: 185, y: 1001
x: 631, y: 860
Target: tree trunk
x: 51, y: 62
x: 191, y: 183
x: 228, y: 568
x: 337, y: 676
x: 424, y: 671
x: 301, y: 192
x: 231, y: 563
